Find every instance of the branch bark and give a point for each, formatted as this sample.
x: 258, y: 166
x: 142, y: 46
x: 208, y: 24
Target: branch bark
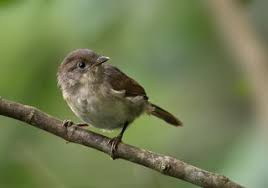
x: 164, y: 164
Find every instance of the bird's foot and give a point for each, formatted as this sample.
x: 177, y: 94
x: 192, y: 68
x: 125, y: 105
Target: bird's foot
x: 114, y: 143
x: 69, y: 123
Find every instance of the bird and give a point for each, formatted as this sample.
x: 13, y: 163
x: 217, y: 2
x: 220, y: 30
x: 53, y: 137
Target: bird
x: 103, y: 96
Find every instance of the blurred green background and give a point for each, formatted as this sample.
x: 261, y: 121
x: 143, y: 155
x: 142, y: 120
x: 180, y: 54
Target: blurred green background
x: 170, y: 47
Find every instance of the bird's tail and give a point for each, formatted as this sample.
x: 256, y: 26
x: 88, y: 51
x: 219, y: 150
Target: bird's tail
x: 163, y: 114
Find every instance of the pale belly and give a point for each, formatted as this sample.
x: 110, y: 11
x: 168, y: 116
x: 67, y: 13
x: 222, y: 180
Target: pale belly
x: 106, y: 111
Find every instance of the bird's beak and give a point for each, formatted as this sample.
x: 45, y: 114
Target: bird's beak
x: 101, y: 60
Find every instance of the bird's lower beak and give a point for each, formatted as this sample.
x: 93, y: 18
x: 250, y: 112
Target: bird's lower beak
x: 101, y: 60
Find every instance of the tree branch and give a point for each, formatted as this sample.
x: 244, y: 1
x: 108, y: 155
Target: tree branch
x: 161, y: 163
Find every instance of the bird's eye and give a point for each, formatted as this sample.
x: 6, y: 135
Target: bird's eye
x: 81, y: 65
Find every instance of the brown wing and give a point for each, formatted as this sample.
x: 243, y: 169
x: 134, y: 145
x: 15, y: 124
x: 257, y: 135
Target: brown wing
x: 120, y: 81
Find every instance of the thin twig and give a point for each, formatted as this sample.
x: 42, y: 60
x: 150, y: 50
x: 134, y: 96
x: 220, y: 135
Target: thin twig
x: 164, y: 164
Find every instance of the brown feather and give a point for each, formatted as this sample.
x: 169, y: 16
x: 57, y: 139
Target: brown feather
x: 164, y: 115
x: 120, y: 81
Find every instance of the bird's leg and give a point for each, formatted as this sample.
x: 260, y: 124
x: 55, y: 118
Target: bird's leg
x: 69, y: 123
x: 116, y: 140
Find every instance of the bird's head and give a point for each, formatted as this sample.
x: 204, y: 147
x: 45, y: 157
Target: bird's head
x: 79, y: 67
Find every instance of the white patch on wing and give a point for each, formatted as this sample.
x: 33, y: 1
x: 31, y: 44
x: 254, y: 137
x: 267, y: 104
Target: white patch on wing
x: 120, y: 93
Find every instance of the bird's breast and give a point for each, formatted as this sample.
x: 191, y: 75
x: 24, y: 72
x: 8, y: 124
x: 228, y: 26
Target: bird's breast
x: 100, y: 108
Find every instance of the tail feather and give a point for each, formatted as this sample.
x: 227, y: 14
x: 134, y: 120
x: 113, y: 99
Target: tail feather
x: 164, y: 115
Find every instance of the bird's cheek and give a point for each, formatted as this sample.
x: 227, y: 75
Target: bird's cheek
x: 83, y: 78
x: 86, y: 78
x: 93, y: 69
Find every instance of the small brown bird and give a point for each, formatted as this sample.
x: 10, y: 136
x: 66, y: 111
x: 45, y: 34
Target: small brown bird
x: 103, y: 96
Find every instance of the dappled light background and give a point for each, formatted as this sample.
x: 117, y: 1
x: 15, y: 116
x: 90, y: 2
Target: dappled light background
x: 172, y: 48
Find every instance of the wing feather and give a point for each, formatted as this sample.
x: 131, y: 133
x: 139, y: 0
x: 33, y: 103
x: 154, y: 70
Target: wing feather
x: 120, y: 81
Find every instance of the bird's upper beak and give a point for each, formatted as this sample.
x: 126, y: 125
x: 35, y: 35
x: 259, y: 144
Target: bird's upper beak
x: 101, y: 60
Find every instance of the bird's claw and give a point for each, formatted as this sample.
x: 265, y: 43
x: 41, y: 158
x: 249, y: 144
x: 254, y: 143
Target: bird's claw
x: 67, y: 123
x: 114, y: 143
